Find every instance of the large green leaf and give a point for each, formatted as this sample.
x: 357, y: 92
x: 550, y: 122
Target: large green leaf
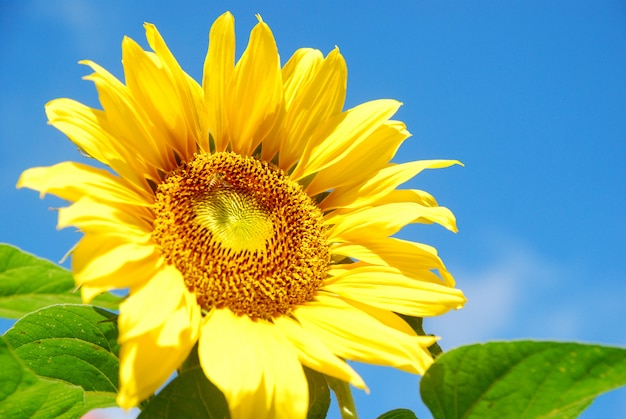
x: 523, y: 379
x: 60, y: 361
x: 28, y: 283
x: 73, y: 343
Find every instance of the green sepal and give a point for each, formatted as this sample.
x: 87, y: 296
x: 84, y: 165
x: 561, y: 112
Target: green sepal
x: 319, y: 394
x: 416, y: 324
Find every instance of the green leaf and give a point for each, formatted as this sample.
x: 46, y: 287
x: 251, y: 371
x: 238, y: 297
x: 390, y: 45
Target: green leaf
x: 523, y: 379
x: 28, y: 283
x: 73, y: 343
x: 60, y: 361
x: 398, y: 414
x: 188, y: 396
x: 319, y: 394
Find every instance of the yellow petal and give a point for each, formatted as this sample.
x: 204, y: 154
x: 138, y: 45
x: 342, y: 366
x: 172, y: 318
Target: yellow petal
x: 124, y: 221
x: 321, y: 93
x: 218, y: 69
x: 384, y: 220
x: 71, y: 181
x: 189, y: 94
x: 297, y: 72
x: 113, y: 262
x: 363, y: 162
x: 381, y: 184
x: 408, y: 257
x: 315, y: 355
x: 127, y: 121
x: 355, y: 335
x: 254, y: 365
x: 388, y: 289
x: 256, y: 92
x: 83, y: 126
x: 152, y: 88
x: 342, y: 134
x: 186, y: 319
x: 148, y: 360
x: 151, y: 304
x: 431, y: 212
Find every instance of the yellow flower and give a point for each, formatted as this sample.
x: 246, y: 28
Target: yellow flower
x: 251, y: 215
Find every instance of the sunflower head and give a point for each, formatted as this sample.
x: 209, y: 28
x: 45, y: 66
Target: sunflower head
x: 251, y: 215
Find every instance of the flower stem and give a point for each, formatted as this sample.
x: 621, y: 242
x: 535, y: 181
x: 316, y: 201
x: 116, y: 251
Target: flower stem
x: 344, y: 397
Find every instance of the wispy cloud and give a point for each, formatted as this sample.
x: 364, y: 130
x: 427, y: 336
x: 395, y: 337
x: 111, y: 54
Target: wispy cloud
x: 521, y: 294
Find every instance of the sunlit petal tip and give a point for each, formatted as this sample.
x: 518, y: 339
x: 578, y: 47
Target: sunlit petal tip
x: 155, y: 40
x: 127, y: 401
x: 25, y: 179
x: 89, y: 293
x: 225, y: 21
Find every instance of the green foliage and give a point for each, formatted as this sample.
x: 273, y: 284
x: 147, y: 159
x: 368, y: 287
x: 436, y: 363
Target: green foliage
x: 73, y: 343
x: 28, y: 283
x: 398, y: 414
x: 524, y: 379
x: 319, y: 394
x: 189, y: 396
x: 59, y: 362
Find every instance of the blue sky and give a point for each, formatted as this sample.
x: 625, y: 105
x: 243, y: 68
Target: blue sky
x: 531, y: 96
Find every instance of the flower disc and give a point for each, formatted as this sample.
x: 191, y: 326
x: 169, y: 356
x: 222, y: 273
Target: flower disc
x: 242, y: 233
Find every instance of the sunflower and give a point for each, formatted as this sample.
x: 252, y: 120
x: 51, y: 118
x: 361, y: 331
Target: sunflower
x: 250, y: 215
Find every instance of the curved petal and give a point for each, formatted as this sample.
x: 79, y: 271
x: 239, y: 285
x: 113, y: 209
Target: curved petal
x: 218, y: 69
x: 381, y: 184
x: 314, y: 354
x: 321, y: 93
x: 254, y: 365
x: 71, y: 181
x: 361, y: 337
x: 297, y: 72
x: 127, y: 121
x: 131, y: 274
x: 409, y: 257
x: 362, y: 162
x: 124, y: 221
x: 148, y: 360
x: 384, y: 220
x: 189, y: 94
x: 255, y: 93
x: 388, y: 289
x: 99, y: 260
x: 341, y: 135
x: 84, y: 127
x: 151, y: 304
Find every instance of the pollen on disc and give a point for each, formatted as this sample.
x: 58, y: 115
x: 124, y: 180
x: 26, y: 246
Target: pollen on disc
x: 242, y: 233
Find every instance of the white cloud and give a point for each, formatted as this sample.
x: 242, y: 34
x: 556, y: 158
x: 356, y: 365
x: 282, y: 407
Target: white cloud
x: 521, y: 294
